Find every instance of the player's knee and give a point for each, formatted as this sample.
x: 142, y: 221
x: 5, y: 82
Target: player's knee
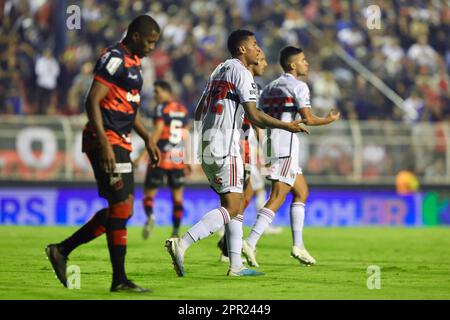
x: 177, y: 198
x: 304, y: 194
x: 300, y: 196
x: 148, y: 201
x: 233, y: 210
x: 278, y: 195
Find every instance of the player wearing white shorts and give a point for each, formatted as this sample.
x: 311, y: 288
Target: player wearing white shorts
x: 285, y: 98
x: 229, y: 94
x: 253, y: 180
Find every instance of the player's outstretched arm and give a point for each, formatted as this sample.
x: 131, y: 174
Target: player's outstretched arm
x: 97, y: 92
x: 150, y: 145
x: 312, y: 120
x: 263, y: 120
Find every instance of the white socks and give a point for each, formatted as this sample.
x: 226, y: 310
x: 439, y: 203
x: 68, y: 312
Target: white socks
x: 210, y: 223
x: 234, y: 241
x: 263, y: 220
x: 297, y: 219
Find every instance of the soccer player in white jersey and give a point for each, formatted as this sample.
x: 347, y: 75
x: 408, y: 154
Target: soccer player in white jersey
x: 253, y: 180
x: 285, y: 98
x: 229, y: 94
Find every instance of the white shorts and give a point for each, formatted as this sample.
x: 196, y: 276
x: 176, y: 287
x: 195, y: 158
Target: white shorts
x: 224, y: 175
x: 284, y: 170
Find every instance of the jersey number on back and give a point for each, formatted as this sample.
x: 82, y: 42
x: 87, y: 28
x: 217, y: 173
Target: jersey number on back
x: 176, y: 133
x: 217, y: 92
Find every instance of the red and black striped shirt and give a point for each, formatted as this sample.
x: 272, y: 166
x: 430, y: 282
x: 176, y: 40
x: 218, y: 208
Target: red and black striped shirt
x: 121, y: 71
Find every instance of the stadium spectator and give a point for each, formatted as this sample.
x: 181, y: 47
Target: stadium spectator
x: 413, y: 106
x: 410, y: 51
x: 326, y: 93
x: 47, y: 71
x: 423, y: 54
x: 194, y: 32
x: 78, y: 90
x: 406, y: 182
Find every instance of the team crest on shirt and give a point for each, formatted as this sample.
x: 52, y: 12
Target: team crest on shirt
x: 218, y: 180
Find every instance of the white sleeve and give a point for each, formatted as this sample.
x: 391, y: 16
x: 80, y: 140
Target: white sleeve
x: 246, y: 88
x: 302, y: 96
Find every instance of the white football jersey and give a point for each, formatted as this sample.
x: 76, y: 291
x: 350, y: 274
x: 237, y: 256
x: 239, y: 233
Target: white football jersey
x: 281, y: 99
x: 229, y: 86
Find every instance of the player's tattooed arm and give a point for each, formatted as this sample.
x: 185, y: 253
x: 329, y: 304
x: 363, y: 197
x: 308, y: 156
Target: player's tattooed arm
x: 150, y: 145
x: 313, y: 120
x: 97, y: 92
x: 263, y: 120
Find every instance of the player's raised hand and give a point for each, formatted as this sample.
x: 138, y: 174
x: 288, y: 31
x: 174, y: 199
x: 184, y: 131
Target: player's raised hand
x: 297, y: 126
x: 153, y: 153
x: 334, y: 115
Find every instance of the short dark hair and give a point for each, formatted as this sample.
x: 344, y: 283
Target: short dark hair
x: 235, y: 39
x: 163, y: 85
x: 143, y: 24
x: 285, y: 54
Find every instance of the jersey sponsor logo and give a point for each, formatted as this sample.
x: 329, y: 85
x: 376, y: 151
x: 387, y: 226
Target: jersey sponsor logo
x: 125, y: 167
x: 133, y: 97
x: 254, y: 86
x: 176, y: 114
x: 113, y: 64
x: 275, y: 92
x: 224, y: 69
x: 132, y: 76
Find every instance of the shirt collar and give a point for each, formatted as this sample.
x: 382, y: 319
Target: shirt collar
x: 287, y: 74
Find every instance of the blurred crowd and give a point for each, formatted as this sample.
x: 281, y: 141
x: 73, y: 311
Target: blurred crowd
x: 46, y: 68
x: 42, y: 73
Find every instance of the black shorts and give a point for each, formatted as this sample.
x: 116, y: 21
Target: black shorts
x: 155, y: 178
x: 118, y: 186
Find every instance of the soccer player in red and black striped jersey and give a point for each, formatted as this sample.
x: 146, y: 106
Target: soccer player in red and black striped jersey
x: 169, y: 133
x: 112, y: 109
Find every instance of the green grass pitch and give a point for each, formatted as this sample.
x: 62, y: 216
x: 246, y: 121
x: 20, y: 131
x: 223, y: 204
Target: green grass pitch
x: 414, y: 263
